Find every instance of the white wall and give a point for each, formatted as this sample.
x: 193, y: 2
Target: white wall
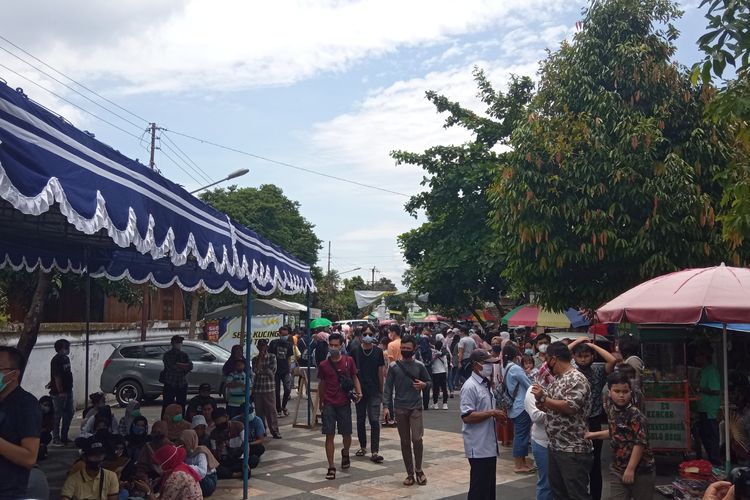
x: 101, y: 345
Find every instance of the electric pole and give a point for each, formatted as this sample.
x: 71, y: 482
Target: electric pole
x: 374, y: 270
x: 151, y: 163
x: 329, y: 258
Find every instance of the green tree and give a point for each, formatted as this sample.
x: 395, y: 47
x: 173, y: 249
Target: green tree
x: 612, y: 175
x: 454, y: 256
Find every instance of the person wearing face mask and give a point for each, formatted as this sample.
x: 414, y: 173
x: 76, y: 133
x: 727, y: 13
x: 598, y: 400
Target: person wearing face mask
x: 175, y: 423
x: 567, y: 402
x: 61, y: 390
x: 91, y: 482
x: 371, y: 372
x: 264, y: 375
x: 596, y: 373
x: 177, y: 365
x: 132, y: 410
x: 282, y: 348
x: 137, y: 436
x: 516, y: 383
x: 404, y: 384
x: 479, y: 418
x: 19, y: 427
x: 541, y: 343
x: 227, y: 441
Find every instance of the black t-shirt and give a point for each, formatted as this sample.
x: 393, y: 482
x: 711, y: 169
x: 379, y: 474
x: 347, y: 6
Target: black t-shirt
x: 60, y: 367
x: 20, y: 417
x: 282, y: 349
x: 199, y: 400
x: 321, y: 352
x: 368, y: 366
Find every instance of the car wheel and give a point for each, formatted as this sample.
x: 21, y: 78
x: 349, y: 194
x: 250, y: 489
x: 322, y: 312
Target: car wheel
x: 127, y: 391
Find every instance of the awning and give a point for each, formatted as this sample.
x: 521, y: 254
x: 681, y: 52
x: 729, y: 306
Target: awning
x: 118, y: 218
x: 260, y: 307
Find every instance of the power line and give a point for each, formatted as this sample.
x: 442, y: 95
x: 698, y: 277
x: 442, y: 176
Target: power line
x: 69, y: 78
x: 180, y: 166
x: 186, y: 156
x: 179, y: 157
x: 286, y: 164
x: 69, y: 102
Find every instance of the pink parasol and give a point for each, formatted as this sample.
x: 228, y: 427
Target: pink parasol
x: 717, y: 294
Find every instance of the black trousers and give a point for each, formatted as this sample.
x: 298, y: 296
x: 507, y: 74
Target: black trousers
x: 439, y: 383
x: 426, y: 394
x: 283, y: 381
x: 482, y: 478
x: 174, y: 394
x: 595, y: 476
x: 708, y: 429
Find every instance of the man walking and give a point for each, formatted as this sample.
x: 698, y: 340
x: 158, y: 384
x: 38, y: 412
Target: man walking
x: 61, y: 390
x: 567, y: 402
x: 177, y: 365
x: 404, y: 383
x: 338, y: 385
x: 371, y: 370
x: 478, y: 414
x: 394, y: 346
x: 282, y: 349
x: 264, y: 374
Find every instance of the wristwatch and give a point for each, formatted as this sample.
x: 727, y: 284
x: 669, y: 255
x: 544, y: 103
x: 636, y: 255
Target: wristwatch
x: 543, y: 398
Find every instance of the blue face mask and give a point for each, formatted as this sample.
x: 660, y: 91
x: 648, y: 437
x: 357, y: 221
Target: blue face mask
x: 528, y: 352
x: 139, y: 431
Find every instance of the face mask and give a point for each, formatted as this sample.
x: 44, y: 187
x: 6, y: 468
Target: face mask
x: 135, y: 413
x: 119, y: 452
x: 177, y: 418
x: 542, y: 348
x: 139, y: 431
x: 497, y: 348
x: 335, y: 351
x: 407, y: 354
x: 528, y: 352
x: 284, y: 337
x: 3, y: 383
x: 94, y: 464
x: 487, y: 371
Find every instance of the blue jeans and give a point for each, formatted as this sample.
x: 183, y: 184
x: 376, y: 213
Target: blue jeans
x: 521, y: 434
x: 452, y: 378
x: 543, y: 491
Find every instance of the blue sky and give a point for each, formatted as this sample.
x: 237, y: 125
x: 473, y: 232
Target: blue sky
x: 331, y: 85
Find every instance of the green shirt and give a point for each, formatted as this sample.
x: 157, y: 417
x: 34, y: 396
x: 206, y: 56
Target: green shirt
x: 710, y: 380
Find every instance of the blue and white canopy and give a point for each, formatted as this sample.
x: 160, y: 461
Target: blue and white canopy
x: 70, y: 202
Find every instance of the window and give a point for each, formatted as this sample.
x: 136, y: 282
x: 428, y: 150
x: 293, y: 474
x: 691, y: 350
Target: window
x: 195, y: 353
x: 153, y: 352
x: 130, y: 352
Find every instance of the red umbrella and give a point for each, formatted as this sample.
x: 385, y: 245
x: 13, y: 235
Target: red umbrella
x: 717, y: 294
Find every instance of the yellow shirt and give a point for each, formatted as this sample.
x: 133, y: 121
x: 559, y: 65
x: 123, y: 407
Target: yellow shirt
x: 394, y: 350
x: 80, y: 486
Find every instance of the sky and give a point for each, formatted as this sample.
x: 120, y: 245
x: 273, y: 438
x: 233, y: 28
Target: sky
x: 327, y: 85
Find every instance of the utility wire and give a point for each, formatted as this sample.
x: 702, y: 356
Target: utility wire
x: 286, y: 164
x: 199, y: 172
x: 186, y: 156
x: 180, y: 166
x: 69, y: 78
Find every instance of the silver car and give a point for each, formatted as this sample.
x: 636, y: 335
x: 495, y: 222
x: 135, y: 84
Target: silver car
x: 132, y: 371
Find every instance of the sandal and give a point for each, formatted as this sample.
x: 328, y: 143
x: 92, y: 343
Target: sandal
x: 345, y: 462
x: 409, y: 481
x: 376, y: 458
x: 421, y: 478
x: 331, y: 474
x: 361, y: 452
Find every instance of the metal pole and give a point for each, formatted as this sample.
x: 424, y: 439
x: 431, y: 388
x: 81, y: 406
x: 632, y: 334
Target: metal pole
x: 310, y: 360
x: 248, y: 383
x: 727, y: 435
x: 88, y: 327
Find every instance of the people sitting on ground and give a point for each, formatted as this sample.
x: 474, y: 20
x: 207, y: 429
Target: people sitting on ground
x: 207, y: 410
x: 117, y: 455
x: 201, y: 429
x: 135, y: 482
x: 175, y: 422
x: 178, y: 480
x: 97, y: 401
x: 132, y: 410
x: 137, y: 436
x: 102, y: 422
x: 158, y: 438
x: 48, y: 423
x: 235, y: 388
x: 227, y: 444
x: 201, y: 460
x: 91, y: 481
x: 195, y: 405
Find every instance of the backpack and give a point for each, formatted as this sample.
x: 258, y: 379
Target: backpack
x: 425, y: 352
x: 503, y: 399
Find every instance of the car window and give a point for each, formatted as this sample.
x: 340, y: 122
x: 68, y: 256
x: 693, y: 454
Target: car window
x: 193, y: 352
x: 130, y: 352
x: 152, y: 352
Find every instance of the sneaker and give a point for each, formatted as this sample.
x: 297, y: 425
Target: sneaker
x: 435, y: 406
x: 57, y: 443
x: 445, y: 406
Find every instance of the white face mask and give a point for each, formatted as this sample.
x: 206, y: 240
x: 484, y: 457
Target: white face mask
x: 487, y: 371
x: 543, y: 348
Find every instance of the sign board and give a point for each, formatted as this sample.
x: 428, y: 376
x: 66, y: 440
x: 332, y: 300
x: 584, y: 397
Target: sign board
x: 263, y: 327
x: 315, y: 313
x: 667, y: 428
x: 212, y: 331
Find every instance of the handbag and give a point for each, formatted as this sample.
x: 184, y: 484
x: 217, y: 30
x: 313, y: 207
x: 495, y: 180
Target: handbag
x: 503, y: 399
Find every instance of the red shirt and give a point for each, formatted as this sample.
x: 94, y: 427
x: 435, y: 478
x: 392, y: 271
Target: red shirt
x: 328, y: 373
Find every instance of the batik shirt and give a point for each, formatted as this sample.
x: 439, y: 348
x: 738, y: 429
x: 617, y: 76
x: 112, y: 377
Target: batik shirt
x: 566, y: 431
x: 627, y: 428
x: 596, y: 374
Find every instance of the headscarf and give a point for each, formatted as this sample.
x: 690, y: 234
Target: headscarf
x: 174, y: 428
x: 190, y: 441
x: 137, y: 440
x: 172, y: 459
x: 229, y: 365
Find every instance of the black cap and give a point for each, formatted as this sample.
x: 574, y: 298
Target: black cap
x: 177, y: 339
x: 480, y: 356
x: 93, y: 445
x: 204, y: 386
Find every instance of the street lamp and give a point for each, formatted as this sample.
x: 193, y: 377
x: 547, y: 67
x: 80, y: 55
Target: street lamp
x: 233, y: 175
x: 350, y: 270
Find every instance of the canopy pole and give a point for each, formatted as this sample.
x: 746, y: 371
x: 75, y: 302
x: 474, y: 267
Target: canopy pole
x: 727, y: 435
x: 248, y: 380
x: 310, y: 361
x: 88, y: 327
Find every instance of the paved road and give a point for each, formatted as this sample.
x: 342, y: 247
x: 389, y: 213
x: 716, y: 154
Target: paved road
x: 295, y: 467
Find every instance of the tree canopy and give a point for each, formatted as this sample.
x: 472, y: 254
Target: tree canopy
x: 613, y: 174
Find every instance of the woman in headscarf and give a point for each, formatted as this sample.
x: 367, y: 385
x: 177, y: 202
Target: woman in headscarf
x: 137, y: 436
x: 201, y: 460
x: 229, y: 365
x: 154, y: 442
x: 99, y: 422
x: 178, y: 481
x: 132, y: 411
x: 175, y: 423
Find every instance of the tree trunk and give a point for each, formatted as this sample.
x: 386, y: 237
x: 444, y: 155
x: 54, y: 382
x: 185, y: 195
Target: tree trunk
x: 194, y: 302
x: 479, y: 319
x: 33, y: 318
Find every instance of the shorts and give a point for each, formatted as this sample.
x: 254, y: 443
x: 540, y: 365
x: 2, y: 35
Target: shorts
x: 337, y: 417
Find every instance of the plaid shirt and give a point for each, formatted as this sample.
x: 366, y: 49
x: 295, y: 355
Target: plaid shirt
x: 264, y: 369
x: 174, y: 376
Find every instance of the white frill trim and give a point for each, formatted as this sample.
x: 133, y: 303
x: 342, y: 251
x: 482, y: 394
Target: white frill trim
x: 263, y: 279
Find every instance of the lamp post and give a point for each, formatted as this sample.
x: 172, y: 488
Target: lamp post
x: 233, y: 175
x: 350, y: 270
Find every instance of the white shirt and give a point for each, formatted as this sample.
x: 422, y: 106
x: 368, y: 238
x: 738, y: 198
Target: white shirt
x: 480, y: 440
x: 538, y: 418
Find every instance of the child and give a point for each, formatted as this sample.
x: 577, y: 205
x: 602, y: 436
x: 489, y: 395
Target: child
x: 527, y: 363
x: 632, y: 475
x: 235, y: 387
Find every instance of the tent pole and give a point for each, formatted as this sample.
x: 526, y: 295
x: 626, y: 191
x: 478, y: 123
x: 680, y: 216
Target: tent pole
x: 248, y: 380
x: 88, y: 327
x: 727, y: 435
x: 310, y: 361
